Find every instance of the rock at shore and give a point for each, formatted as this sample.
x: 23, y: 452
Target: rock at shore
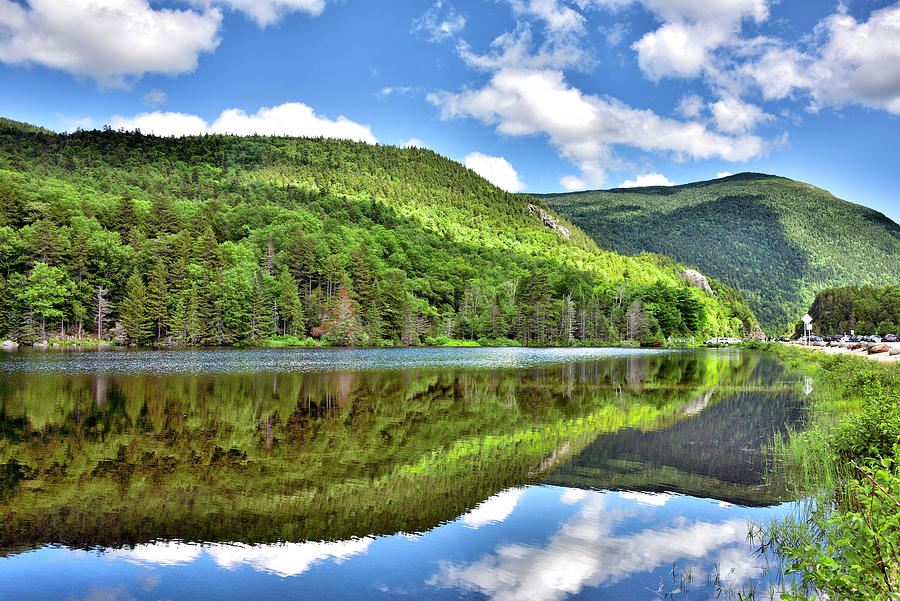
x: 9, y: 344
x: 878, y: 348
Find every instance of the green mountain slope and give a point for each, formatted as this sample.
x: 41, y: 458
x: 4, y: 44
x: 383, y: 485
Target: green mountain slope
x: 865, y: 310
x: 225, y: 239
x: 776, y: 240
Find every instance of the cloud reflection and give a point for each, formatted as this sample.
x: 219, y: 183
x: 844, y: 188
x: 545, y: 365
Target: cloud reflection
x: 289, y: 559
x: 586, y: 551
x: 493, y: 509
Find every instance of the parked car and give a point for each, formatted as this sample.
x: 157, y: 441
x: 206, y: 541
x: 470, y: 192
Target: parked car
x: 890, y: 338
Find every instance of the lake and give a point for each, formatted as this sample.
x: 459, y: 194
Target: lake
x: 501, y: 474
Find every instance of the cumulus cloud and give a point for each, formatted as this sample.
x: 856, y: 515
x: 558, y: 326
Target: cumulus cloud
x: 155, y: 98
x: 266, y: 12
x: 584, y: 128
x: 440, y: 22
x: 678, y: 49
x: 413, y: 143
x: 691, y: 31
x: 494, y: 509
x: 858, y: 62
x: 289, y: 119
x: 733, y: 115
x: 110, y: 41
x: 722, y: 174
x: 643, y: 181
x: 496, y: 170
x: 162, y: 124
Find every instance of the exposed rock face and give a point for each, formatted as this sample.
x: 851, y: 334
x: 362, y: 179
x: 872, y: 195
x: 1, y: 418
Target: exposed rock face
x: 878, y: 348
x: 696, y: 279
x: 550, y: 221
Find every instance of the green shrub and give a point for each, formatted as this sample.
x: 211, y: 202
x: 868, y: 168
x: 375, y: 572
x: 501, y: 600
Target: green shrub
x: 859, y: 553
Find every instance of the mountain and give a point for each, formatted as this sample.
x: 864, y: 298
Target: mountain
x: 249, y: 240
x: 776, y: 240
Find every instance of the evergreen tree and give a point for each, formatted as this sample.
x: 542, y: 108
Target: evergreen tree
x: 133, y: 312
x: 157, y: 298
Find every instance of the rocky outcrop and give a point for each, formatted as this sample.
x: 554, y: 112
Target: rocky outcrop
x: 550, y: 221
x: 696, y: 279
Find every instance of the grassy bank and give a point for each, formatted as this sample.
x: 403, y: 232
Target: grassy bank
x: 847, y: 543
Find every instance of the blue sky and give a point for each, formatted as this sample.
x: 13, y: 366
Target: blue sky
x: 536, y: 95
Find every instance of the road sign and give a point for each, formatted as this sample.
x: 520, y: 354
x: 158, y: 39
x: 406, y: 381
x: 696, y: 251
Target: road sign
x: 807, y: 319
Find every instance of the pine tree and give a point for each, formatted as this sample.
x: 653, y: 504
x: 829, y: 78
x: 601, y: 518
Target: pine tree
x: 157, y: 298
x: 133, y: 312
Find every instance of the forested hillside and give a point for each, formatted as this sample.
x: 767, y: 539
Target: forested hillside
x: 776, y: 240
x: 866, y: 310
x: 225, y: 239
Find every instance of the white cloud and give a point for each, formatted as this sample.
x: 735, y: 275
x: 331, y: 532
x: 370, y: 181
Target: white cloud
x: 558, y: 18
x: 111, y: 41
x: 162, y: 124
x: 289, y: 119
x: 439, y: 22
x: 266, y: 12
x: 584, y: 128
x: 643, y: 181
x: 690, y: 107
x: 496, y: 170
x: 413, y: 143
x: 678, y: 49
x: 570, y: 183
x: 858, y: 63
x: 155, y: 98
x: 514, y: 49
x: 722, y: 174
x: 734, y: 116
x: 494, y: 509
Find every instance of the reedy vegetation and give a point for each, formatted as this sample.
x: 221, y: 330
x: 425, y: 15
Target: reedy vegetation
x: 846, y: 462
x: 777, y: 241
x: 225, y: 239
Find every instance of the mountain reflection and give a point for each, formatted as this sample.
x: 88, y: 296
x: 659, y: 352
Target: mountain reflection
x: 122, y: 454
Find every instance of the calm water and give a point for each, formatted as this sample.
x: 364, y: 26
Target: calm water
x: 367, y: 474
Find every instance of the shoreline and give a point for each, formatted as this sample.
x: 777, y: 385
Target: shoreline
x: 839, y: 348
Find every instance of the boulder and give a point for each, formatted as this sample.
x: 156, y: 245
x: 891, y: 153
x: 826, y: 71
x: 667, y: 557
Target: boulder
x: 9, y: 344
x: 894, y: 349
x: 551, y: 222
x: 878, y: 348
x: 856, y: 346
x: 696, y: 279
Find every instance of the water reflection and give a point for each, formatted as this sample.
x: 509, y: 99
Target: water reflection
x: 610, y: 539
x: 542, y: 481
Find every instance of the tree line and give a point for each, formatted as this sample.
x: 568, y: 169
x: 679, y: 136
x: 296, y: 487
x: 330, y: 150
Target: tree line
x: 218, y: 240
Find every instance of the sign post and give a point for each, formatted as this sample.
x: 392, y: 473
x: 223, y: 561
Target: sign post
x: 807, y: 322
